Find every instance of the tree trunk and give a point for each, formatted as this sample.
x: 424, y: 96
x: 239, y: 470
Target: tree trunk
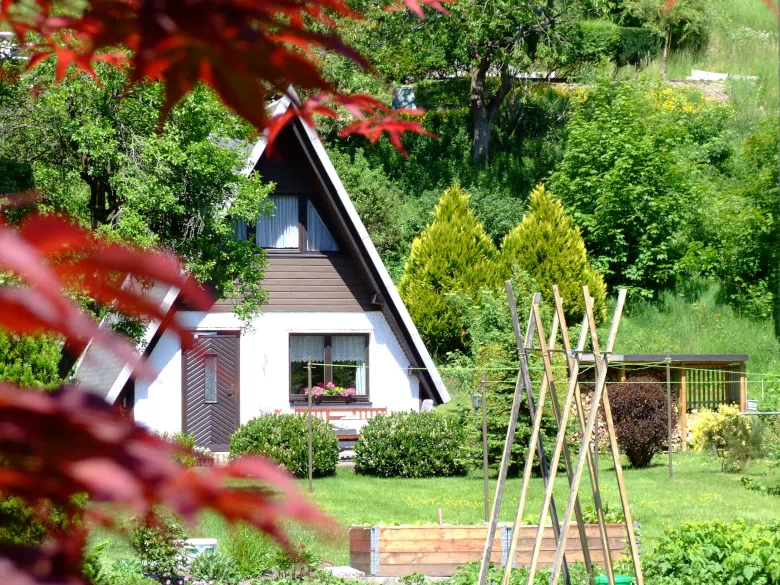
x: 484, y: 108
x: 667, y: 41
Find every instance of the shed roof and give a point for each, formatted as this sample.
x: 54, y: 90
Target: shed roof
x: 688, y: 358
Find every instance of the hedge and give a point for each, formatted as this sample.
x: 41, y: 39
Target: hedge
x: 411, y: 444
x: 283, y: 438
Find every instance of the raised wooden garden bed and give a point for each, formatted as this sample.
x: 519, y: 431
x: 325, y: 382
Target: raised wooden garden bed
x: 387, y: 551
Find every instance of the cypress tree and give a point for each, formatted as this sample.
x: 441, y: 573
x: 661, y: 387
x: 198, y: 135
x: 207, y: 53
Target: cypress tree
x: 453, y: 253
x: 549, y: 246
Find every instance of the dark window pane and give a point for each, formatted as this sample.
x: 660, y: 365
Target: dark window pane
x: 299, y: 376
x: 344, y: 374
x: 210, y: 367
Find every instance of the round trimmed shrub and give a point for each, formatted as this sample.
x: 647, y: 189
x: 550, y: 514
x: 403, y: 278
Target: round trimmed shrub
x: 411, y: 444
x: 283, y: 438
x: 639, y: 413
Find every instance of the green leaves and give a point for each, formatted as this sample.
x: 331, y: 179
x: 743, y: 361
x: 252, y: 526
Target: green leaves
x: 452, y: 253
x: 716, y: 553
x: 548, y: 245
x: 283, y: 438
x: 635, y: 178
x: 411, y: 444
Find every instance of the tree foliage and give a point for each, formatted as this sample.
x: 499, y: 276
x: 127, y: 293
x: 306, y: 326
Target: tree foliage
x: 637, y: 175
x: 492, y: 40
x: 452, y: 253
x: 548, y: 245
x: 95, y: 153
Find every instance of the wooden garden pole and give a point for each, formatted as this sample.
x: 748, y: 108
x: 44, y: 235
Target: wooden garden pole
x: 560, y: 445
x: 309, y: 448
x: 523, y: 346
x: 550, y: 383
x: 589, y: 427
x: 502, y: 471
x: 683, y: 408
x: 669, y: 408
x: 573, y: 363
x: 485, y: 449
x: 632, y: 545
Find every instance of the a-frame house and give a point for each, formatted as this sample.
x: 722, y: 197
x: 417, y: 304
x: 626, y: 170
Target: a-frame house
x: 329, y: 298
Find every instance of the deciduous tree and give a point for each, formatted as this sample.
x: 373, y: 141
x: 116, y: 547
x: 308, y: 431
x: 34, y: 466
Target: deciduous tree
x: 491, y: 41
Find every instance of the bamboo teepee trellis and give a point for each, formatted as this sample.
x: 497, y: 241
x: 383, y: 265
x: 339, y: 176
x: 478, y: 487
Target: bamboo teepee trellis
x: 562, y: 413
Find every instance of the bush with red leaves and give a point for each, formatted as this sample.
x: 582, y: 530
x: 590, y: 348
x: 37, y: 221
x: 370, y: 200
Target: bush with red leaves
x: 639, y: 413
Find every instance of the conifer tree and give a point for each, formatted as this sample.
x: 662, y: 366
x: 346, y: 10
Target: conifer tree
x: 453, y: 253
x: 548, y: 245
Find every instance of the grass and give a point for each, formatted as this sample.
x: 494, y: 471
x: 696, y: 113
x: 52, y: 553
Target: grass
x: 696, y: 321
x: 698, y: 492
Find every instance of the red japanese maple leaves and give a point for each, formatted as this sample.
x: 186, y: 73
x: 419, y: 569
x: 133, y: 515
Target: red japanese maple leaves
x: 246, y: 50
x: 55, y: 445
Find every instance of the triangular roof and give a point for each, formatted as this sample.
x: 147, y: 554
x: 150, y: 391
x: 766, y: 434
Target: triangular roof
x: 394, y: 309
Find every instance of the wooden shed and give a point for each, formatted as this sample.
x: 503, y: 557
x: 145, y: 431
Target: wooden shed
x: 698, y: 380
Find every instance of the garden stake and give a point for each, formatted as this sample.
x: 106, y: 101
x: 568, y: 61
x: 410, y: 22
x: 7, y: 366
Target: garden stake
x: 589, y: 427
x: 669, y: 410
x: 485, y: 449
x: 560, y: 445
x: 502, y: 471
x: 547, y: 382
x: 613, y: 441
x: 536, y: 415
x: 311, y: 486
x: 573, y: 363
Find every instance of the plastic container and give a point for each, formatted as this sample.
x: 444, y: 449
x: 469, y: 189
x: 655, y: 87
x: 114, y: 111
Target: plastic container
x: 619, y: 580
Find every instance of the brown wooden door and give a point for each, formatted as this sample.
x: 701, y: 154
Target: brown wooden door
x: 210, y: 389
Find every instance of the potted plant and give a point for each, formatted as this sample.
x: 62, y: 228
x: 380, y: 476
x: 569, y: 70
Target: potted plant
x: 331, y: 393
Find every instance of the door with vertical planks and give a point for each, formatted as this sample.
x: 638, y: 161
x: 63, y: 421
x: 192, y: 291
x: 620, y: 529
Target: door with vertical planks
x: 210, y: 389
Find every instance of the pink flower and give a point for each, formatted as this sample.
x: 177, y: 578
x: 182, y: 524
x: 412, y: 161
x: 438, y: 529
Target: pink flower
x: 330, y: 385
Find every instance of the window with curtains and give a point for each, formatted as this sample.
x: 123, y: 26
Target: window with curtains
x: 339, y: 366
x: 294, y: 225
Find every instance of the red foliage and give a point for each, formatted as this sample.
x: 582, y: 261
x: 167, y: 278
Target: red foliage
x: 246, y: 50
x: 55, y: 445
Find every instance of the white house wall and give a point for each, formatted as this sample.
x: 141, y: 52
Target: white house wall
x: 264, y: 364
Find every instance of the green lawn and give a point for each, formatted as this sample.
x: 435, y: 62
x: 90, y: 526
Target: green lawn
x: 699, y: 491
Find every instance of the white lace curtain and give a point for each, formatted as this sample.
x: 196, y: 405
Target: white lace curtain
x: 351, y: 348
x: 317, y: 235
x: 303, y: 347
x: 281, y: 229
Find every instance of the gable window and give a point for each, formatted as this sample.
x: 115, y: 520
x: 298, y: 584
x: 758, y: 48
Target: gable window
x: 294, y: 225
x: 279, y: 230
x: 338, y: 362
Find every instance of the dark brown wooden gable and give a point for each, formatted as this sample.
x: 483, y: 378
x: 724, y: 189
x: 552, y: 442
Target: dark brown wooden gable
x: 314, y: 281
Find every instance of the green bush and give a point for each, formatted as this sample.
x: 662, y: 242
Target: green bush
x: 159, y: 545
x: 18, y: 524
x: 30, y: 361
x: 637, y: 177
x: 491, y: 344
x: 214, y: 567
x: 715, y: 553
x: 187, y: 442
x: 594, y: 41
x: 92, y: 565
x: 735, y: 438
x: 548, y: 245
x: 411, y: 444
x: 636, y: 44
x: 283, y: 438
x: 452, y: 253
